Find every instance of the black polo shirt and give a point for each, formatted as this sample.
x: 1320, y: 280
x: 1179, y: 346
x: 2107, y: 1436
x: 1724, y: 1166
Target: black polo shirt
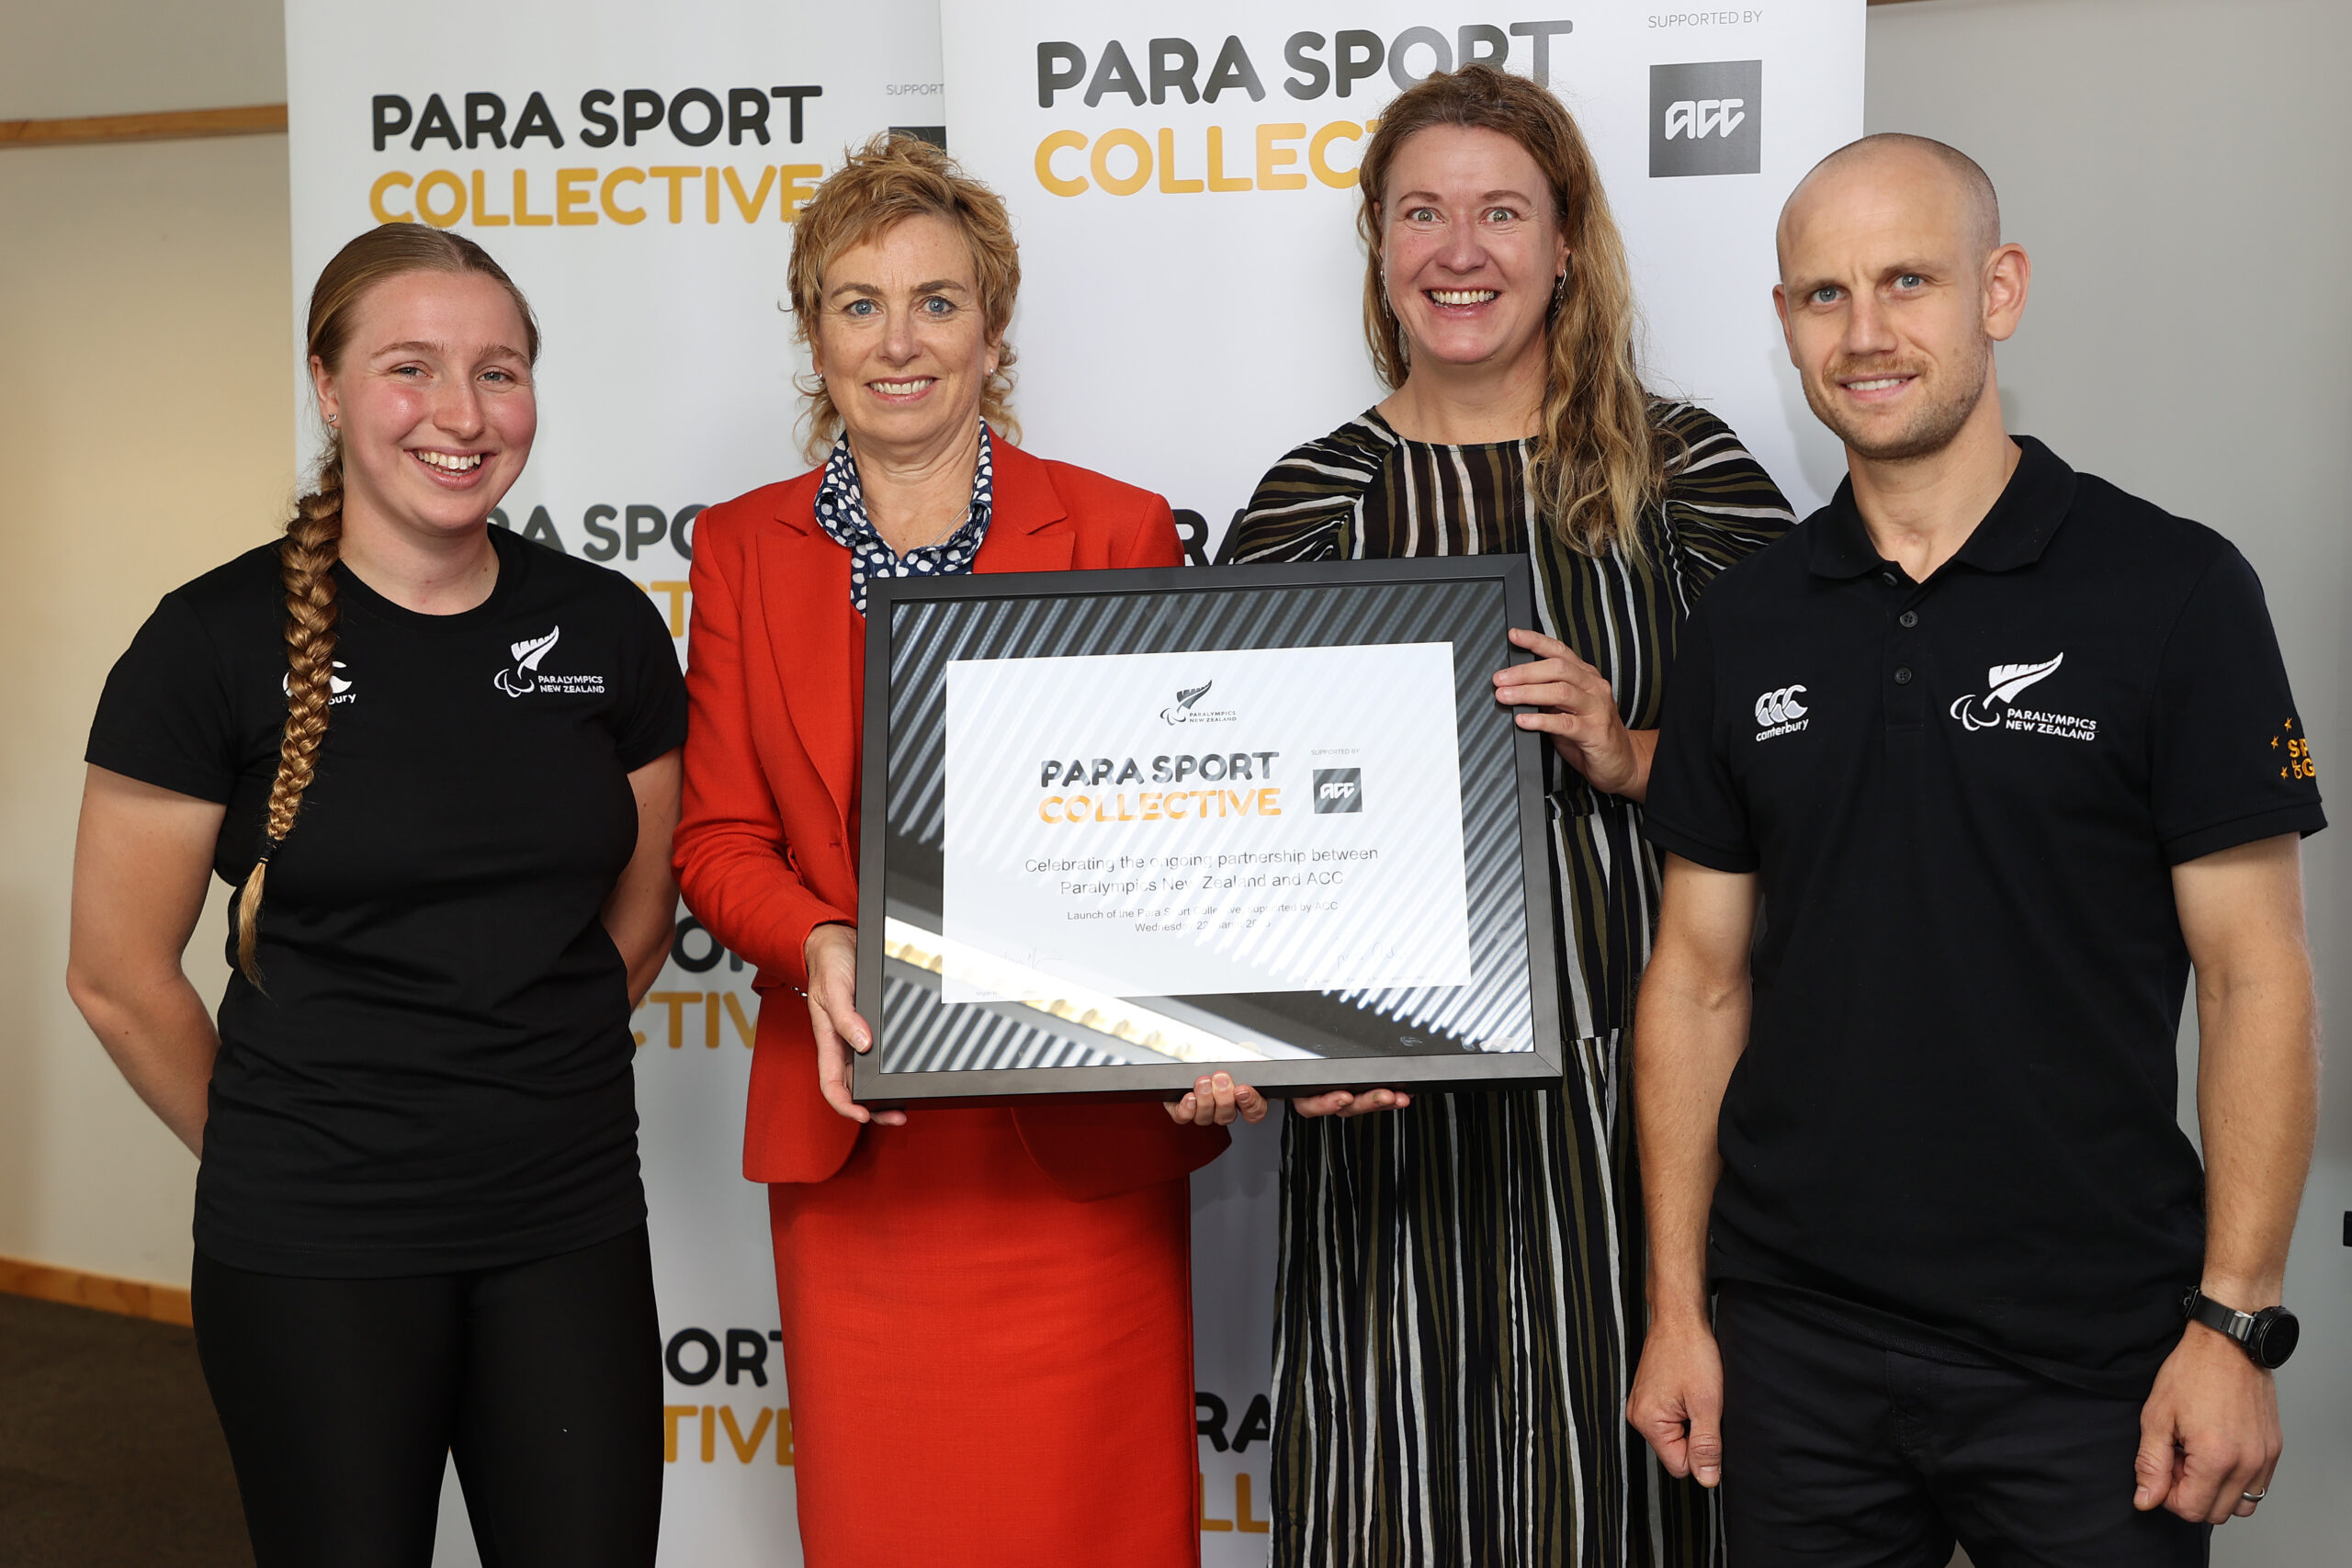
x: 1963, y: 799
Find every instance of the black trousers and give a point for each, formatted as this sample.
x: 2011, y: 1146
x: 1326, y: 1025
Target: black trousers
x: 340, y: 1397
x: 1840, y: 1454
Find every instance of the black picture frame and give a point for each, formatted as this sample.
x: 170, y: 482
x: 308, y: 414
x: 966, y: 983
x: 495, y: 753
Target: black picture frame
x: 1354, y: 1059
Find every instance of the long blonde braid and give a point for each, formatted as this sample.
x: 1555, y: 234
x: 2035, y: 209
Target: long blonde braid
x: 306, y: 559
x: 315, y: 534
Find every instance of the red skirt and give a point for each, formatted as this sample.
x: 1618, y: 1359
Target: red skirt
x: 982, y: 1372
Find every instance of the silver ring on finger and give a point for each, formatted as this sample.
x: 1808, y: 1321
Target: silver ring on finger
x: 2255, y: 1496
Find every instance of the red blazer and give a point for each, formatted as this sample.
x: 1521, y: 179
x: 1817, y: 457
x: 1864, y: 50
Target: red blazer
x: 776, y: 675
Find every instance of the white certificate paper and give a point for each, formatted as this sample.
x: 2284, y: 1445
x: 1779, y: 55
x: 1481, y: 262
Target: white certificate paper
x: 1190, y: 824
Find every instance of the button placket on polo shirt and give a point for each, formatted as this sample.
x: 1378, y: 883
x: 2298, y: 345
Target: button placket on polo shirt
x: 1905, y: 690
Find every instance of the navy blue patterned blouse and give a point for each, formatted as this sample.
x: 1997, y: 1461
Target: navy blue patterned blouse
x: 840, y: 512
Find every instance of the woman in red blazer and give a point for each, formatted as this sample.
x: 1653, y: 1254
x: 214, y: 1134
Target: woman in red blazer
x: 987, y: 1313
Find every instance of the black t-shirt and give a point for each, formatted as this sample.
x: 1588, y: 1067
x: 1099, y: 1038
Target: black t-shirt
x: 438, y: 1075
x: 1963, y: 799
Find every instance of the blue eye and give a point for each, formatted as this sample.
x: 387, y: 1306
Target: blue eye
x: 1825, y: 296
x: 858, y: 308
x: 1910, y: 280
x: 938, y: 307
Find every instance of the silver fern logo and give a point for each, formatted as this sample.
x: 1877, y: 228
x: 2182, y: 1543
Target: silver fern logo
x: 524, y: 679
x: 1999, y: 708
x: 1185, y: 709
x: 2007, y: 683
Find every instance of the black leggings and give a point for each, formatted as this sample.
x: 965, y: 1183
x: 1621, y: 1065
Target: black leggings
x: 340, y: 1398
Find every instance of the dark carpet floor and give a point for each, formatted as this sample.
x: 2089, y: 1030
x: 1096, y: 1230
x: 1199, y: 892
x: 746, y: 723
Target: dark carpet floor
x: 109, y: 1453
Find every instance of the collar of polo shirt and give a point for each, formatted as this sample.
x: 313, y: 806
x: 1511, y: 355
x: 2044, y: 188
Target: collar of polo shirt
x: 2014, y: 533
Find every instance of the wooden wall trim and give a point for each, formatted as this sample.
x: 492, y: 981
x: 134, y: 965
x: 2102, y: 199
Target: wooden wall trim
x: 131, y: 1298
x: 251, y: 119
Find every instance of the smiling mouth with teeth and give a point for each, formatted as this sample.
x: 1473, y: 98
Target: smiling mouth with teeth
x: 453, y: 462
x: 1880, y: 384
x: 901, y: 388
x: 1461, y: 296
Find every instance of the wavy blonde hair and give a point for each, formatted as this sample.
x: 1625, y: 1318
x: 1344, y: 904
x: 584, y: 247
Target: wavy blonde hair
x: 890, y: 179
x: 1599, y: 458
x: 312, y: 543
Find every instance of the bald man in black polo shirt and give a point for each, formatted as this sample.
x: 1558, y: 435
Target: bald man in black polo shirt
x: 2002, y: 752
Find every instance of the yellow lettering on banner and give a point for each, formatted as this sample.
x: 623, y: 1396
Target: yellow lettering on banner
x: 677, y: 592
x: 1059, y: 141
x: 710, y: 1015
x: 748, y: 206
x: 523, y: 213
x: 1217, y: 178
x: 744, y: 1447
x: 1043, y: 815
x: 571, y: 201
x: 1168, y: 180
x: 797, y: 190
x: 384, y: 185
x: 676, y: 1001
x: 735, y: 1015
x: 784, y: 1454
x: 710, y: 1437
x: 1123, y: 185
x: 1319, y: 152
x: 669, y: 1416
x: 483, y: 217
x: 678, y: 174
x: 615, y: 211
x: 1201, y: 1495
x: 1271, y: 157
x: 440, y: 179
x: 710, y: 195
x: 1241, y: 1519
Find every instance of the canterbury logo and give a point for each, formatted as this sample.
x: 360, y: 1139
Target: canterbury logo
x: 523, y: 678
x: 2006, y: 683
x: 1780, y: 707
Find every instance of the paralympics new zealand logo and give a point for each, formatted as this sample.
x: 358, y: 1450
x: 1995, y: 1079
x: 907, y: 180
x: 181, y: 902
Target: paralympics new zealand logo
x: 525, y: 678
x: 1185, y: 709
x: 1997, y: 709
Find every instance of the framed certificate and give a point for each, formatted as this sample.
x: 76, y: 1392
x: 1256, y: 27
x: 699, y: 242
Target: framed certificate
x: 1119, y: 829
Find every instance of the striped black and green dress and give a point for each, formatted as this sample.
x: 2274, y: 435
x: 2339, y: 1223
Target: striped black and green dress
x: 1460, y: 1283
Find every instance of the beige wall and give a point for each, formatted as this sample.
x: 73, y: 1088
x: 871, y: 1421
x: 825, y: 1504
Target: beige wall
x: 145, y: 420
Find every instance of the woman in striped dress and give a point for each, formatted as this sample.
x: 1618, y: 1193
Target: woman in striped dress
x: 1461, y: 1284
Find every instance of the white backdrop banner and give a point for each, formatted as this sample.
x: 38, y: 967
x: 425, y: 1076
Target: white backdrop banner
x: 1183, y: 173
x: 1182, y: 176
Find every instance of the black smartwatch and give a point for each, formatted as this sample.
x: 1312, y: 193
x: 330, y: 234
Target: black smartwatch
x: 2267, y: 1337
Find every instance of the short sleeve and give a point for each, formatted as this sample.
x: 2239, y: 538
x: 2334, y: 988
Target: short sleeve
x: 1694, y: 807
x: 164, y: 717
x: 1721, y: 505
x: 2228, y: 759
x: 653, y: 719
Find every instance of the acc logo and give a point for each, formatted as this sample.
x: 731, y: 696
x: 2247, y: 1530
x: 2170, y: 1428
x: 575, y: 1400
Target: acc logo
x: 1339, y: 789
x: 1707, y: 118
x: 1698, y: 120
x: 1779, y: 713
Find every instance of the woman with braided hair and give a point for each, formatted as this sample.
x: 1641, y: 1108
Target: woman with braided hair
x: 440, y: 766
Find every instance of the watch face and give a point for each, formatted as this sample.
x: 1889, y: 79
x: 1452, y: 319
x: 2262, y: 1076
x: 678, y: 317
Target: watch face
x: 2276, y: 1333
